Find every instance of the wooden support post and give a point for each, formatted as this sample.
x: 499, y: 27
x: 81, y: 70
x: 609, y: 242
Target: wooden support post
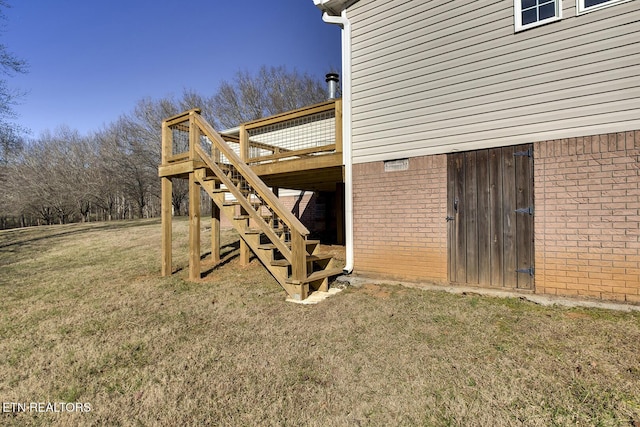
x: 167, y: 144
x: 166, y: 214
x: 215, y: 232
x: 245, y: 252
x: 244, y: 144
x: 194, y: 206
x: 166, y: 205
x: 194, y: 136
x: 274, y: 220
x: 194, y: 228
x: 215, y: 216
x: 299, y: 263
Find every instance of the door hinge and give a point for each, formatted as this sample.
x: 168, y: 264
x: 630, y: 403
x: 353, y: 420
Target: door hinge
x: 528, y: 210
x: 528, y: 153
x: 530, y: 271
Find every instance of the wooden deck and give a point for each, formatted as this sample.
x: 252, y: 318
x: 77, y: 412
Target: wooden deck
x: 299, y: 150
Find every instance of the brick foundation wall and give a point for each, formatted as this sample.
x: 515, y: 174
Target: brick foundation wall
x: 399, y: 220
x: 587, y: 216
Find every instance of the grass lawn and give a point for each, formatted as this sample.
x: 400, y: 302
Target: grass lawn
x: 85, y: 317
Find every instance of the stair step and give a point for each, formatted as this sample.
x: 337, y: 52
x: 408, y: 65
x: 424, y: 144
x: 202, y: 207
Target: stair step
x: 241, y: 217
x: 267, y: 246
x: 255, y: 231
x: 317, y: 275
x: 319, y: 257
x: 237, y: 203
x: 310, y: 258
x: 214, y: 178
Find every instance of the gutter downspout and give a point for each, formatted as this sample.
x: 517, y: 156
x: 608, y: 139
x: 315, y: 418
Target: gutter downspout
x: 343, y: 22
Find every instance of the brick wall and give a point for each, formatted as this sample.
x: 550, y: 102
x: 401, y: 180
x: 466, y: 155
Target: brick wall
x: 587, y: 216
x: 399, y: 220
x: 305, y: 206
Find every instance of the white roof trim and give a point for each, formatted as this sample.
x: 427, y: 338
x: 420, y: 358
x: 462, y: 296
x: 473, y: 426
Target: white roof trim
x: 232, y: 131
x: 332, y: 7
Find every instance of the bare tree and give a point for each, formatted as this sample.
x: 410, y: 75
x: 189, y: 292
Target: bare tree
x: 11, y: 141
x: 271, y: 90
x: 62, y: 176
x: 10, y: 65
x: 52, y: 179
x: 191, y: 99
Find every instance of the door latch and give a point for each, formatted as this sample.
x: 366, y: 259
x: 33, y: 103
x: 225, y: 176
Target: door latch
x: 530, y: 271
x: 449, y: 218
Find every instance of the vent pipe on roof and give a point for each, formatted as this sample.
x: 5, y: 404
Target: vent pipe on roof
x: 332, y: 80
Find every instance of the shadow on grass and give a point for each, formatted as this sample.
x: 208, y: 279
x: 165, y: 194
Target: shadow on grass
x: 79, y: 229
x: 228, y: 253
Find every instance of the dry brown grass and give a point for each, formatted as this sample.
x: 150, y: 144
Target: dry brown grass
x: 84, y: 317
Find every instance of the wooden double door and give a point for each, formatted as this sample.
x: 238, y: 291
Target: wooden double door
x: 490, y: 217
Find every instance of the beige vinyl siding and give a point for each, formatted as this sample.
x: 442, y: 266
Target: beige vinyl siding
x: 438, y: 76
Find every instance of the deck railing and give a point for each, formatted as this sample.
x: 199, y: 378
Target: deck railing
x: 309, y: 131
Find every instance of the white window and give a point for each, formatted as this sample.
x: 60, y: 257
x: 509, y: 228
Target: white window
x: 585, y: 6
x: 531, y: 13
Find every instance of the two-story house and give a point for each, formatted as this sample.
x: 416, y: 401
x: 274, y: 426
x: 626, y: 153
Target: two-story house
x: 493, y: 143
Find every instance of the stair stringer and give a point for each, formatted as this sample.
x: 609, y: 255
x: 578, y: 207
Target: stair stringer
x: 288, y: 237
x: 296, y: 291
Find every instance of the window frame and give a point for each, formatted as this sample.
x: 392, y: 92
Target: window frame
x: 581, y: 9
x: 517, y: 16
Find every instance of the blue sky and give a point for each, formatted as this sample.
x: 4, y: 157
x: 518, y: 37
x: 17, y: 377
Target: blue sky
x: 91, y: 60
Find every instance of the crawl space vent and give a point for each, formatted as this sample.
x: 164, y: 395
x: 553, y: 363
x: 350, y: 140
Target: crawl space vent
x: 396, y: 165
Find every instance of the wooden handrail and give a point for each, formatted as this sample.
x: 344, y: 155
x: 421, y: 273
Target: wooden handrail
x: 263, y: 191
x: 292, y: 153
x: 255, y: 144
x: 231, y: 138
x: 179, y: 118
x: 178, y: 157
x: 289, y: 115
x: 268, y: 147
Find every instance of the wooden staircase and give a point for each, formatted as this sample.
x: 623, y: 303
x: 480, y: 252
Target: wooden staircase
x: 278, y: 239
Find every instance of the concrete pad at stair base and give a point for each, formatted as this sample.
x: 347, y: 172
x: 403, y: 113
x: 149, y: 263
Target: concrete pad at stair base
x: 316, y: 296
